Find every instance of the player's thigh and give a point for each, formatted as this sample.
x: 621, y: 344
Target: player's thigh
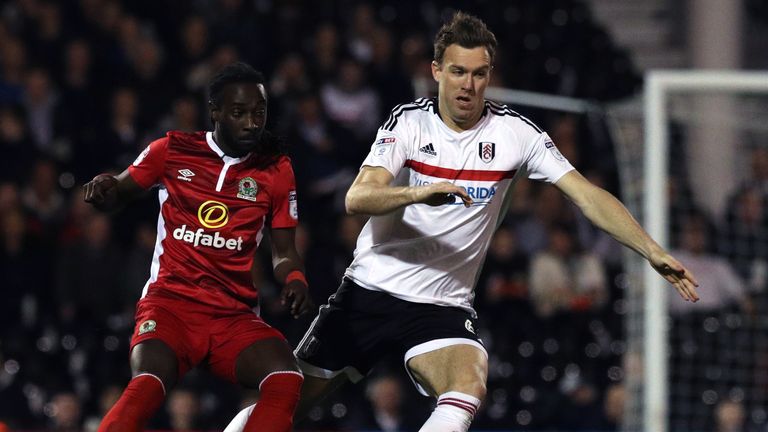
x: 462, y: 368
x: 155, y: 357
x: 261, y: 358
x: 314, y: 390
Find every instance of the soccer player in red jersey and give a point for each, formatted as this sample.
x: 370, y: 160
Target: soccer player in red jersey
x: 218, y: 191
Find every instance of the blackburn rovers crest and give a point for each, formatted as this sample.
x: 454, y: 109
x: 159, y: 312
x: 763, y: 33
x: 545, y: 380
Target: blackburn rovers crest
x: 487, y: 151
x: 247, y: 189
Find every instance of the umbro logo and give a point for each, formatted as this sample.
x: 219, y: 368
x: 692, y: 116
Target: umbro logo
x: 428, y: 149
x: 186, y: 175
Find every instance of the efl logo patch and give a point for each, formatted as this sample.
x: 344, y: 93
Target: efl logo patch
x: 293, y: 205
x: 555, y: 152
x: 487, y: 151
x: 247, y: 189
x: 382, y: 146
x: 147, y: 326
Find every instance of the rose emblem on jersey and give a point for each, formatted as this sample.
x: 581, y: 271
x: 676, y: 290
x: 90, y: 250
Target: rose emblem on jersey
x: 487, y: 151
x: 247, y: 189
x: 213, y: 214
x: 147, y: 326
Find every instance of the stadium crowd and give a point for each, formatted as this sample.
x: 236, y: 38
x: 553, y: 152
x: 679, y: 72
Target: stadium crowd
x: 86, y: 84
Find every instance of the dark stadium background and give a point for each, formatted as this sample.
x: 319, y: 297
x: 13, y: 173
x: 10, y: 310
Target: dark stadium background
x: 85, y: 85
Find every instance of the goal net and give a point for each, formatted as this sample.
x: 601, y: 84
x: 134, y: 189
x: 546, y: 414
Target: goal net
x: 699, y: 182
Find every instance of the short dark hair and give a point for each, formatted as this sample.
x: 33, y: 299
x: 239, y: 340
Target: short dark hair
x: 232, y: 73
x: 467, y: 31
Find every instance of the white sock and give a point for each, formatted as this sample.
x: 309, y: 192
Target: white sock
x: 454, y: 413
x: 238, y: 422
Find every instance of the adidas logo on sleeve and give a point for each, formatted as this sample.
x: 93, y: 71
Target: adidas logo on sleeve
x: 428, y: 149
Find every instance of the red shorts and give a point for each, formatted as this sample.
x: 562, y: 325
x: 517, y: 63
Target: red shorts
x: 197, y: 332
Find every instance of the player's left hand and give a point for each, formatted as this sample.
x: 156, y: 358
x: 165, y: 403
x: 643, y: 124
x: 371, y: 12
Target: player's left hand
x: 295, y: 295
x: 675, y: 273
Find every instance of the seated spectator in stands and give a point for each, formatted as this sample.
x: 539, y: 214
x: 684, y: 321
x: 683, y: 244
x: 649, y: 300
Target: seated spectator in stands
x: 564, y: 278
x: 183, y: 408
x: 720, y: 286
x: 353, y: 104
x: 65, y: 412
x: 613, y: 406
x: 107, y: 399
x: 504, y: 278
x: 745, y: 237
x: 387, y: 411
x: 730, y: 416
x: 16, y: 145
x: 85, y: 268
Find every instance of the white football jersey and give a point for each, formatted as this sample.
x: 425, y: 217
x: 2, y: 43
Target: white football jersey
x: 427, y: 254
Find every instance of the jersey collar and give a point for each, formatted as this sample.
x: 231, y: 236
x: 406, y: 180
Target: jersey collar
x: 216, y: 149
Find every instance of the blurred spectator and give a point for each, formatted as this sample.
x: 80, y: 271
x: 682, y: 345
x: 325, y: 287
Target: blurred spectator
x: 16, y: 145
x: 107, y: 399
x: 22, y: 283
x: 745, y: 237
x: 40, y: 104
x: 387, y: 411
x: 565, y: 278
x: 183, y: 408
x: 730, y: 416
x: 65, y: 412
x: 88, y: 275
x: 13, y: 59
x: 349, y: 101
x: 613, y: 406
x: 548, y: 208
x: 719, y: 285
x: 325, y: 52
x: 42, y: 198
x: 503, y: 286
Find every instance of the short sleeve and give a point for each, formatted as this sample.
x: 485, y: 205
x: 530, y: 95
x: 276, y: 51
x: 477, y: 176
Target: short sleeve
x: 147, y: 169
x: 284, y: 205
x: 389, y: 151
x: 544, y: 160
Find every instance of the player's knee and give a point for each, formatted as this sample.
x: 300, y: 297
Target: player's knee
x: 281, y: 389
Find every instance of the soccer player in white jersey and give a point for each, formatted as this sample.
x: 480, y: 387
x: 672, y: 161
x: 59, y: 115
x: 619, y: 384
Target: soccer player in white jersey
x: 435, y: 184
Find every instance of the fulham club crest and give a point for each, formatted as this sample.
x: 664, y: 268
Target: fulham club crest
x: 487, y: 151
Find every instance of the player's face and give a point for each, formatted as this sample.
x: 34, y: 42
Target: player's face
x: 462, y: 78
x: 240, y: 118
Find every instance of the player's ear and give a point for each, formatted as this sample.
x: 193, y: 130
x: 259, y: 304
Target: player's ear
x: 436, y: 70
x: 215, y: 111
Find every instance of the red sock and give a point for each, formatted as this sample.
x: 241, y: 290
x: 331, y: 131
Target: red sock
x: 279, y: 397
x: 139, y: 401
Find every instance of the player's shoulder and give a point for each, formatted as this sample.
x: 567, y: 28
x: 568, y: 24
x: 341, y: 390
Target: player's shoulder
x: 503, y: 114
x: 409, y: 111
x: 186, y: 138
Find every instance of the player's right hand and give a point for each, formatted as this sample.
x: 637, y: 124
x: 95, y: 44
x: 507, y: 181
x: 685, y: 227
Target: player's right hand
x: 101, y: 191
x: 437, y: 194
x: 295, y: 295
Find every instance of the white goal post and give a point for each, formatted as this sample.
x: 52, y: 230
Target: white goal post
x: 658, y: 86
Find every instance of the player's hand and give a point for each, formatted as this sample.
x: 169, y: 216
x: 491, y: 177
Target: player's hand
x: 101, y: 192
x: 295, y: 295
x: 675, y: 273
x: 437, y: 194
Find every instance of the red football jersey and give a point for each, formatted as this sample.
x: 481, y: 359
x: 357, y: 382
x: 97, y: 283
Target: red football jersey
x: 213, y: 210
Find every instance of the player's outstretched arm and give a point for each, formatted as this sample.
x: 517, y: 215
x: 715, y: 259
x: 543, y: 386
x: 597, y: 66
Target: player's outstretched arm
x: 371, y: 193
x: 110, y: 193
x: 610, y: 215
x: 289, y: 269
